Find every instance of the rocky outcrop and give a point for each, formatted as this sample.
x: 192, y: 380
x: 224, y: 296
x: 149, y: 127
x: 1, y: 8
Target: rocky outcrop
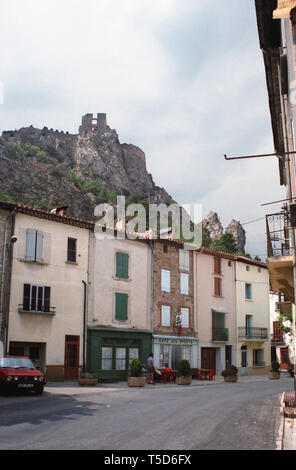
x: 239, y: 234
x: 51, y: 167
x: 215, y: 230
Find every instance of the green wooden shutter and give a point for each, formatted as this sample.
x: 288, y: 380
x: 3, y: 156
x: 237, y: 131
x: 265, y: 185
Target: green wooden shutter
x: 122, y: 265
x: 121, y: 306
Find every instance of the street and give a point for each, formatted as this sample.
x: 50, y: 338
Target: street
x: 219, y: 416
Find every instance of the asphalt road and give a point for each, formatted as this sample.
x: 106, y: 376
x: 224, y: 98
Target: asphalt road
x: 241, y: 416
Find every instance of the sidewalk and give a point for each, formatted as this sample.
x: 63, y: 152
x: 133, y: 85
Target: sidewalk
x: 287, y: 437
x: 74, y: 388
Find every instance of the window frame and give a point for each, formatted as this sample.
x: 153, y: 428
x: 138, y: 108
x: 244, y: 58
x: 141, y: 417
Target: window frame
x: 71, y: 250
x: 165, y: 281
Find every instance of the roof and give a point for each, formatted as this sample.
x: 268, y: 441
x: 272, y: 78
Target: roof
x: 42, y: 214
x: 232, y: 257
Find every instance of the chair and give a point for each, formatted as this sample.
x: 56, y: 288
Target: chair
x: 198, y: 374
x: 173, y: 376
x: 165, y: 376
x: 211, y: 374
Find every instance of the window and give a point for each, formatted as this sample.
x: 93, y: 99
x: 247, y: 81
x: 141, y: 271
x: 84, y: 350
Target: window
x: 71, y: 250
x: 120, y: 359
x: 165, y: 249
x: 184, y: 283
x: 122, y: 265
x: 218, y: 286
x: 217, y: 265
x: 164, y: 355
x: 248, y: 291
x: 165, y: 315
x: 183, y: 260
x: 185, y: 317
x: 133, y: 354
x: 36, y: 298
x: 34, y: 245
x: 121, y: 301
x: 229, y: 263
x: 165, y: 280
x: 258, y: 356
x: 247, y: 268
x: 107, y: 356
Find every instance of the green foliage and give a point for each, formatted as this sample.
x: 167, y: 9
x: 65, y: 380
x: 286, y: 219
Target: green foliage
x: 275, y: 367
x: 225, y: 243
x: 232, y: 372
x: 135, y: 368
x: 14, y: 150
x: 206, y: 239
x: 184, y: 369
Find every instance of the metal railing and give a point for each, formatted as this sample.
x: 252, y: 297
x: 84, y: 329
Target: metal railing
x: 252, y: 333
x: 277, y: 232
x: 220, y: 334
x: 44, y: 309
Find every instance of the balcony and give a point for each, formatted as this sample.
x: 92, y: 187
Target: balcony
x: 24, y: 308
x: 253, y: 334
x: 277, y: 339
x: 280, y: 254
x: 220, y: 334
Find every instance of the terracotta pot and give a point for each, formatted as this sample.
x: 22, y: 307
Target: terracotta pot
x: 88, y: 381
x: 181, y: 380
x: 274, y: 375
x: 136, y: 381
x: 230, y: 378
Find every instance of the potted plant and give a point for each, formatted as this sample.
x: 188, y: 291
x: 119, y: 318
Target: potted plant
x: 230, y: 375
x: 291, y: 369
x: 136, y: 378
x: 184, y: 376
x: 88, y: 378
x: 275, y: 370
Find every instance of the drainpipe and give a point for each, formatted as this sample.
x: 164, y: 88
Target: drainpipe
x: 84, y: 326
x: 151, y: 242
x: 6, y: 321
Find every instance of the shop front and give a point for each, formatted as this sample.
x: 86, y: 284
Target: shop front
x: 172, y: 349
x: 110, y: 351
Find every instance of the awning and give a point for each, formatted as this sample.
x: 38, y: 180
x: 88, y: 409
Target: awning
x: 219, y: 310
x: 284, y: 9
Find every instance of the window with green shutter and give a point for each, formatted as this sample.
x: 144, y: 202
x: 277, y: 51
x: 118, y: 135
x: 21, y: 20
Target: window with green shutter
x: 122, y: 265
x: 121, y: 306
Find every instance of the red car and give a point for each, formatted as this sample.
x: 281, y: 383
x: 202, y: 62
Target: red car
x: 19, y: 373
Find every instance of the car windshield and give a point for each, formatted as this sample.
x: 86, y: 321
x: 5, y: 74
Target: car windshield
x: 16, y: 363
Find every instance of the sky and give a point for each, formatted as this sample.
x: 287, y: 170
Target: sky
x: 184, y: 81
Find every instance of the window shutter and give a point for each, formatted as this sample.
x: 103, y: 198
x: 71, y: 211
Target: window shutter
x: 165, y: 315
x: 184, y: 283
x: 122, y: 265
x: 218, y: 290
x: 39, y: 246
x: 46, y: 299
x: 31, y: 245
x: 217, y: 265
x: 26, y: 297
x: 185, y: 315
x: 183, y: 260
x: 121, y: 306
x: 165, y: 280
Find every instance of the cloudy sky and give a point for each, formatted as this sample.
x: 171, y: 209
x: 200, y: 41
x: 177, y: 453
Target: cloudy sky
x: 183, y: 80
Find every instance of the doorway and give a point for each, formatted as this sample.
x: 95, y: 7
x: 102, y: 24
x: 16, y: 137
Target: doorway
x: 71, y: 371
x: 208, y: 358
x: 244, y: 360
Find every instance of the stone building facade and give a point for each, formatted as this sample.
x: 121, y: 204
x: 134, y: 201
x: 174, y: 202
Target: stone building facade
x: 174, y: 331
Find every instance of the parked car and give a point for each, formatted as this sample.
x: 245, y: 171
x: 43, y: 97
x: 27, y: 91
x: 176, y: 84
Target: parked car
x: 20, y: 373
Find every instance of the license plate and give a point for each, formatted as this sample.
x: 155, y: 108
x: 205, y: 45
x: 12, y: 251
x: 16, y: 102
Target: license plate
x: 25, y: 385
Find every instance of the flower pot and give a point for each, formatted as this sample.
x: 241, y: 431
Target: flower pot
x: 230, y: 378
x: 274, y: 375
x: 136, y: 381
x: 181, y: 380
x: 88, y: 381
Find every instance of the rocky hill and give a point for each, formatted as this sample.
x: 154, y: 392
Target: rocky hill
x: 215, y: 230
x: 48, y: 168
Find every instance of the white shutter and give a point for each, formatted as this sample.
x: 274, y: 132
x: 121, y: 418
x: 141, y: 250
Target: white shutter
x: 31, y: 245
x: 165, y: 280
x: 184, y: 283
x: 165, y: 315
x: 39, y: 246
x: 183, y: 260
x: 185, y: 317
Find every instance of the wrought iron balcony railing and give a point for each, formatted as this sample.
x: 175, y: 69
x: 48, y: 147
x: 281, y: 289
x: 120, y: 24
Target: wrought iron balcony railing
x: 277, y: 231
x: 30, y: 309
x: 220, y: 334
x: 252, y: 333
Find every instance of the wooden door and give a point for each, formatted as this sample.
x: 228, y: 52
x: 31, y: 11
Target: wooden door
x: 284, y: 358
x: 71, y: 370
x: 208, y: 358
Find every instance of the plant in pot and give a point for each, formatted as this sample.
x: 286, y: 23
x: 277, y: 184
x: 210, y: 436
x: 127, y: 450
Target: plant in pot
x: 88, y: 378
x: 230, y: 375
x: 136, y: 378
x: 184, y: 376
x: 275, y: 372
x: 291, y: 369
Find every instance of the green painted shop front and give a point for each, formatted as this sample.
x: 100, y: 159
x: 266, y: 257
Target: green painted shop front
x: 111, y: 350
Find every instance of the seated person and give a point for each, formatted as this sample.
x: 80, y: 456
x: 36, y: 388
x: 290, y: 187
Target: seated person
x: 166, y: 373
